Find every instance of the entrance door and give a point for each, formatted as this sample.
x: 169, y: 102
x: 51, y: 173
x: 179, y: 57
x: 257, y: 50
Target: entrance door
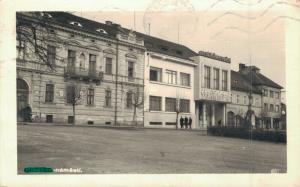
x: 22, y: 97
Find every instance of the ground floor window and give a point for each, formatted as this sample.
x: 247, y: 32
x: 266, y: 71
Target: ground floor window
x: 185, y: 105
x: 170, y: 105
x: 155, y: 103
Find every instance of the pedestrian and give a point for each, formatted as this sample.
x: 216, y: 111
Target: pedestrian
x: 27, y: 113
x: 181, y: 122
x: 185, y: 122
x: 190, y: 122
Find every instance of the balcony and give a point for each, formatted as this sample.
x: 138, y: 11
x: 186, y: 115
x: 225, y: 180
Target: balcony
x: 87, y: 75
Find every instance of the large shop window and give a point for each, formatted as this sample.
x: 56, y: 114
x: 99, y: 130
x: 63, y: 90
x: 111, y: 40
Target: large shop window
x: 170, y: 105
x: 171, y: 77
x: 185, y: 79
x: 49, y: 93
x: 224, y: 80
x: 185, y: 105
x: 155, y: 103
x: 216, y: 78
x: 206, y: 77
x: 155, y: 74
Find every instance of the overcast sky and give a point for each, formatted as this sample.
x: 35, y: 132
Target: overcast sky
x: 253, y: 34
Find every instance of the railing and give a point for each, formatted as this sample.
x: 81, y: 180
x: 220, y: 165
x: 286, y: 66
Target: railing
x: 122, y: 79
x: 72, y: 72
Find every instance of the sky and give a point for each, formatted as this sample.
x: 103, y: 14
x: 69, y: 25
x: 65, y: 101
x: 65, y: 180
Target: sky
x: 252, y: 33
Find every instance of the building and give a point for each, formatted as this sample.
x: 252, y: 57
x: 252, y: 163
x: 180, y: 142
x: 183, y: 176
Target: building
x: 169, y: 83
x: 264, y: 103
x: 71, y: 69
x: 244, y: 97
x: 212, y: 89
x: 102, y: 64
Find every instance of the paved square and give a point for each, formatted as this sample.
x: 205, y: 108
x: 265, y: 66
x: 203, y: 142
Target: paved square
x: 101, y: 150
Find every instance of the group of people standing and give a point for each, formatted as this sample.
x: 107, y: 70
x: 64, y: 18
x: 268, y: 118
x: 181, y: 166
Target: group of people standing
x: 186, y: 122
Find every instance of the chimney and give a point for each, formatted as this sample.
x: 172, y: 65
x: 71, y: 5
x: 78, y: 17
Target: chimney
x: 108, y: 22
x: 241, y: 66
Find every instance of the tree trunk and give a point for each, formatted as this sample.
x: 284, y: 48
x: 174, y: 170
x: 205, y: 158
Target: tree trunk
x: 74, y: 119
x: 177, y: 120
x: 134, y: 116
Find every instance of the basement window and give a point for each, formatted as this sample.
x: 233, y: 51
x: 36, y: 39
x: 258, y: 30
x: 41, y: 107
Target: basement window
x: 155, y: 123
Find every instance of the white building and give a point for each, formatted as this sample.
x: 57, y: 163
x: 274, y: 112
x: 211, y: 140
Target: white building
x: 169, y: 83
x: 212, y: 89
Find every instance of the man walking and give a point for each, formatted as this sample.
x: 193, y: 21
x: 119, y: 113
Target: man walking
x: 190, y: 122
x: 181, y: 122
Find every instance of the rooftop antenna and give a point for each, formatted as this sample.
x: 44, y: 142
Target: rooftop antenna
x: 149, y: 28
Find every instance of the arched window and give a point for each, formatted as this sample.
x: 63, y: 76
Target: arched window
x: 82, y: 62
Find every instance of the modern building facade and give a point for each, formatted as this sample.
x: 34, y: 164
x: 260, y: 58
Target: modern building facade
x: 169, y: 83
x: 125, y: 77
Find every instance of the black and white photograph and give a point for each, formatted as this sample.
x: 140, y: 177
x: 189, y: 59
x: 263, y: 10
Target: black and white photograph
x: 161, y: 87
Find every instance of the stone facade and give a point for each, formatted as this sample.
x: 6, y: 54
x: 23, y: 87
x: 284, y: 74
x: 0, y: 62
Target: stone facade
x: 37, y: 75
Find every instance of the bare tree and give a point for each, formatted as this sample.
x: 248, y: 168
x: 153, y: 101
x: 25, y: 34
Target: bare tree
x: 74, y: 95
x: 137, y: 101
x: 34, y: 31
x: 178, y: 107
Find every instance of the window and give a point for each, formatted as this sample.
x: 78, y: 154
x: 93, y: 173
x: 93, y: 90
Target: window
x: 170, y: 105
x: 129, y: 97
x: 49, y: 118
x: 265, y: 92
x: 206, y: 77
x: 155, y: 123
x: 224, y: 80
x: 266, y: 106
x: 76, y: 23
x: 271, y: 94
x: 271, y: 107
x: 51, y: 53
x: 216, y: 79
x: 277, y: 95
x: 185, y: 79
x: 21, y: 49
x: 130, y: 69
x: 155, y: 74
x: 90, y: 96
x: 107, y: 98
x: 108, y: 65
x: 171, y: 77
x: 49, y: 93
x: 277, y: 108
x: 92, y: 64
x: 71, y: 94
x: 185, y: 105
x: 155, y: 103
x: 101, y: 31
x: 70, y: 119
x: 237, y: 98
x: 71, y: 58
x: 245, y: 100
x: 82, y: 62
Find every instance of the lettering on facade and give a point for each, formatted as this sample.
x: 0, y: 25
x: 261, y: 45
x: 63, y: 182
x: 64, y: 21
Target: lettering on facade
x: 215, y: 95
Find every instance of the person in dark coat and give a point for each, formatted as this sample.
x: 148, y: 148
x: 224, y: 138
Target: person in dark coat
x: 181, y: 122
x: 27, y: 112
x: 185, y: 122
x: 190, y: 122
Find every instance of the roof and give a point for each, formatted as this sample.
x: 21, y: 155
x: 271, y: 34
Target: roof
x: 259, y: 79
x: 240, y: 83
x: 151, y: 43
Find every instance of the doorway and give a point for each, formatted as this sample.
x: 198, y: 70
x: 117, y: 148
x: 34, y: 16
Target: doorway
x: 22, y: 98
